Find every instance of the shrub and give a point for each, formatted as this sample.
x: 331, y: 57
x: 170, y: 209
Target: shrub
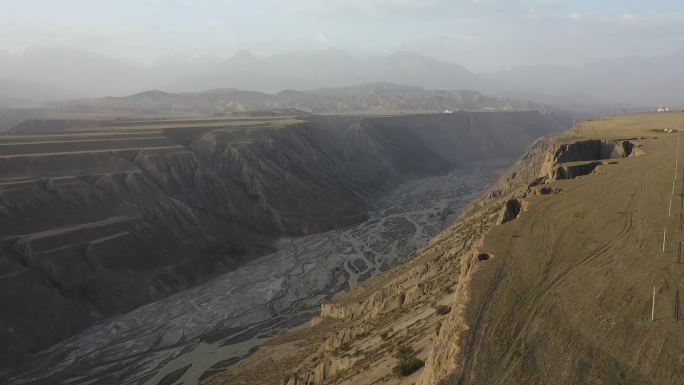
x: 408, y: 362
x: 404, y: 368
x: 344, y: 347
x: 404, y: 352
x: 442, y: 309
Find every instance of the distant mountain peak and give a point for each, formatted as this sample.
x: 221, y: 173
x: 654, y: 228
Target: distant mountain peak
x: 150, y: 93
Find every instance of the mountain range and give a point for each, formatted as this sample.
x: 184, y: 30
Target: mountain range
x: 69, y: 73
x: 366, y: 98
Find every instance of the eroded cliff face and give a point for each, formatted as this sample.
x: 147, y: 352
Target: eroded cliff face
x: 570, y: 160
x: 525, y: 178
x: 97, y: 225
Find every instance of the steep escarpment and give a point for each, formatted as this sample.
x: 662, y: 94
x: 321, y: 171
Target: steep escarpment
x: 510, y: 194
x: 99, y: 220
x: 566, y: 297
x: 542, y: 280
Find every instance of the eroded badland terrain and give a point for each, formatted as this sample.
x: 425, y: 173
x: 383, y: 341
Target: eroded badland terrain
x: 161, y: 252
x: 548, y: 278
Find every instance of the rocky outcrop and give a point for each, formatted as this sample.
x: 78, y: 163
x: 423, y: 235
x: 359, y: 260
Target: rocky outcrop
x: 323, y: 371
x: 385, y: 300
x: 510, y: 211
x: 570, y: 160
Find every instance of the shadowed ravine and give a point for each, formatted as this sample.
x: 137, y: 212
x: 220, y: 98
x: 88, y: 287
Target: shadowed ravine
x: 181, y: 338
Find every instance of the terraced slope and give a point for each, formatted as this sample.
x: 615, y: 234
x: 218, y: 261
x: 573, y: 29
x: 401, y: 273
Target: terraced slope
x: 549, y: 278
x: 100, y: 217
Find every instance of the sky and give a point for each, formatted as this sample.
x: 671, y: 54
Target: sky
x: 483, y: 35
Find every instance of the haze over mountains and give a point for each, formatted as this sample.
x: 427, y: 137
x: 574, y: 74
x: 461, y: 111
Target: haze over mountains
x: 65, y: 73
x: 367, y: 98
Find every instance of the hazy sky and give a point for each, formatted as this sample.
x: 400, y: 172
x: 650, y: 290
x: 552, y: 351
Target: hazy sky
x: 483, y: 35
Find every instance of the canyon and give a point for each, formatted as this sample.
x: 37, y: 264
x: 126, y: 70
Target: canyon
x: 101, y: 218
x: 560, y: 273
x: 196, y: 332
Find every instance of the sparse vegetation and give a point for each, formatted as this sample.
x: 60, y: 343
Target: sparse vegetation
x: 344, y: 347
x: 442, y: 309
x: 408, y: 362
